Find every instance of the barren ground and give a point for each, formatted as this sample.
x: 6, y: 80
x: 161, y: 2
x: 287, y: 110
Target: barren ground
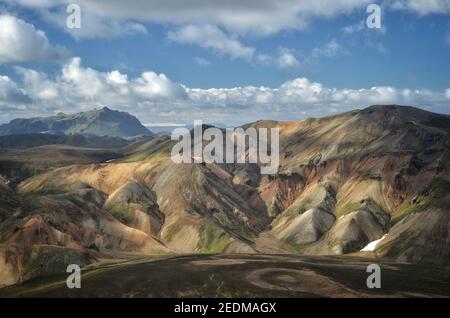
x: 242, y: 276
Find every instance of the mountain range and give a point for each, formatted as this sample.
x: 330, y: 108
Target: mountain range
x: 372, y: 183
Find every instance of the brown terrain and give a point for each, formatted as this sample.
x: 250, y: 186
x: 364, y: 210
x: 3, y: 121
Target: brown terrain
x: 344, y: 181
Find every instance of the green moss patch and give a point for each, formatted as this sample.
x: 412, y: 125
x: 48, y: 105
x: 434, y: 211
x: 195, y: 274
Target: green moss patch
x: 213, y: 239
x: 123, y: 212
x: 436, y: 195
x: 348, y: 208
x: 170, y: 232
x: 234, y: 225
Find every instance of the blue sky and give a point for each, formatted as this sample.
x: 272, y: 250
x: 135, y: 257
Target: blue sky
x: 219, y: 62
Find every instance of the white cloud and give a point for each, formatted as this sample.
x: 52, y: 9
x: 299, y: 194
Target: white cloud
x: 211, y: 37
x: 155, y: 98
x: 330, y: 49
x: 422, y: 7
x: 201, y: 61
x: 38, y: 85
x: 86, y: 81
x: 156, y: 86
x: 287, y: 59
x: 22, y: 42
x: 353, y: 28
x: 87, y: 84
x: 11, y: 94
x: 116, y: 78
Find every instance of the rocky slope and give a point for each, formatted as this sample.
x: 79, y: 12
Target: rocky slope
x: 344, y: 181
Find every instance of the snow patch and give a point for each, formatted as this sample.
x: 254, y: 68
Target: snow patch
x: 372, y: 245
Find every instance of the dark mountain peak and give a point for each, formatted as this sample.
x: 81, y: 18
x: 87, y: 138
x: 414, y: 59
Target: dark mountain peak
x: 97, y: 122
x: 106, y: 109
x: 401, y: 116
x: 401, y: 110
x: 390, y: 107
x: 204, y: 127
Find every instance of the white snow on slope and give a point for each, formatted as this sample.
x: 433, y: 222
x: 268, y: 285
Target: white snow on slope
x: 372, y: 245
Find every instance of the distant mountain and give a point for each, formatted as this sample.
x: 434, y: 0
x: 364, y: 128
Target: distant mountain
x: 99, y: 122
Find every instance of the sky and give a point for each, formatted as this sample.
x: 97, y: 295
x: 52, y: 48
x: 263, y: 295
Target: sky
x: 170, y: 62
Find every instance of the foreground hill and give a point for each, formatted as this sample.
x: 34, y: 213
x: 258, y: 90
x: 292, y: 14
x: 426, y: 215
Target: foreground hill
x: 100, y: 122
x: 382, y: 173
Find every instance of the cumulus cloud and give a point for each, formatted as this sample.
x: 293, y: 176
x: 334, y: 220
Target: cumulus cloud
x: 285, y: 59
x: 10, y: 93
x: 211, y: 37
x: 157, y: 86
x: 22, y: 42
x: 38, y: 86
x: 155, y: 98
